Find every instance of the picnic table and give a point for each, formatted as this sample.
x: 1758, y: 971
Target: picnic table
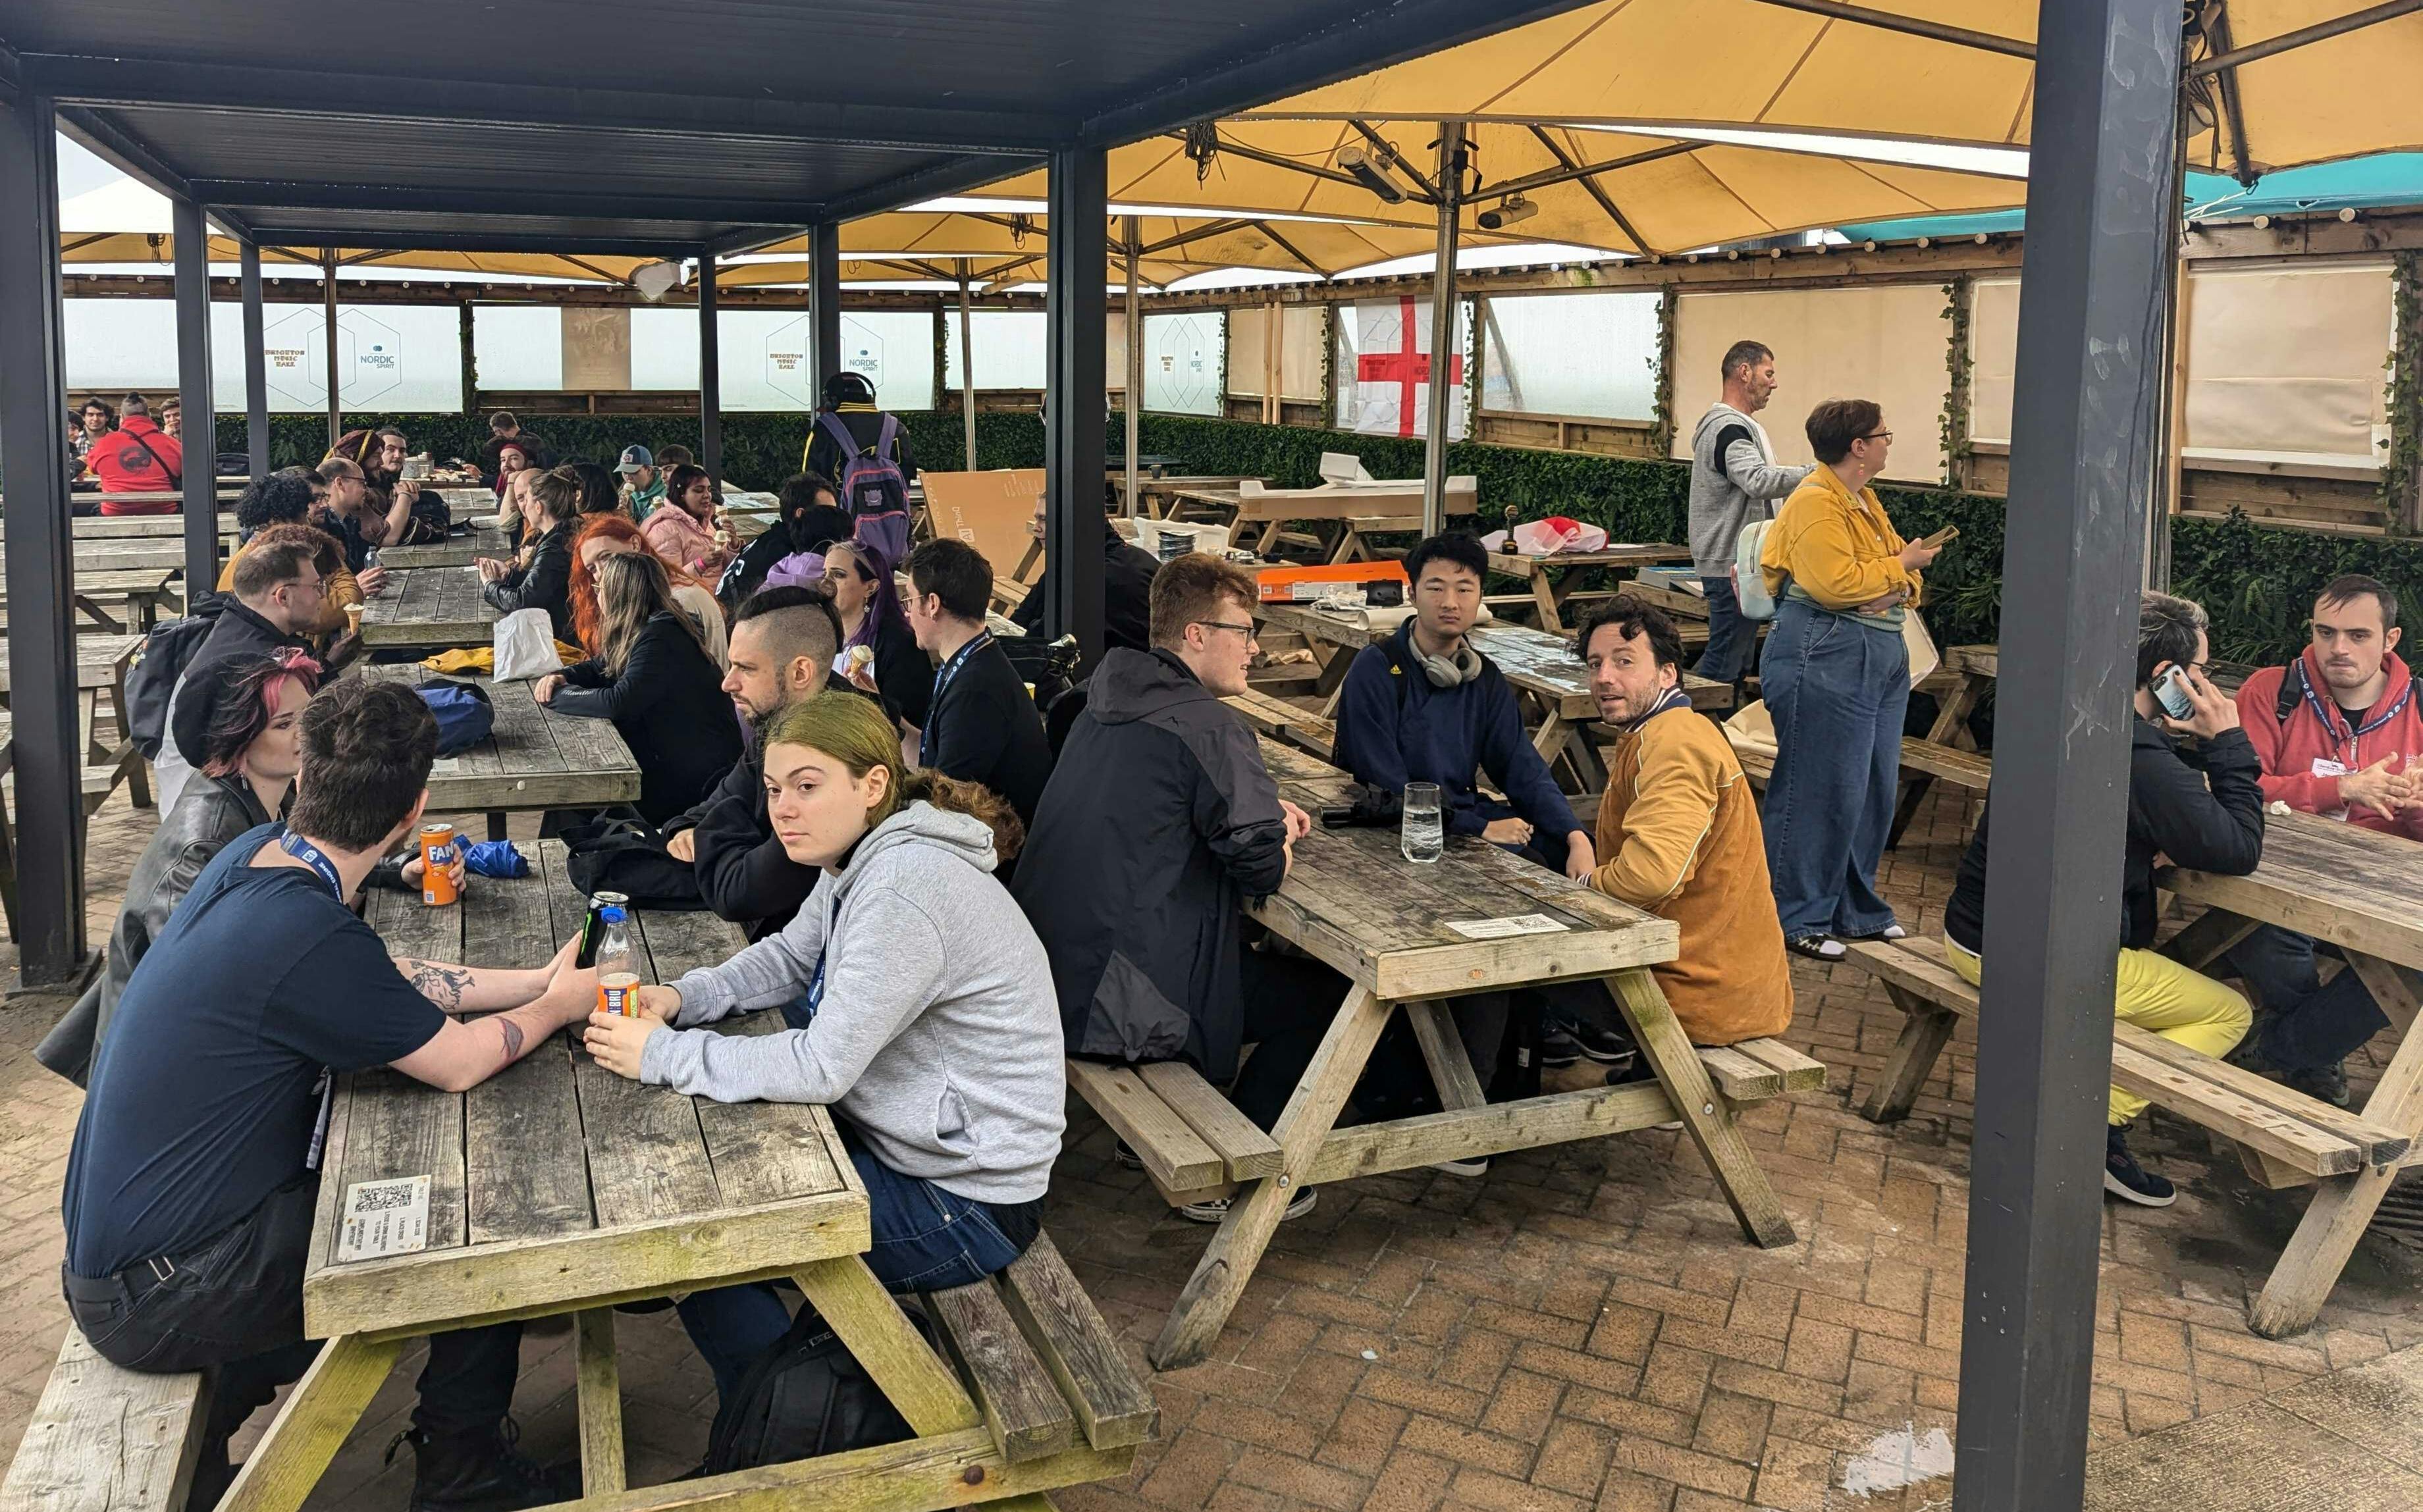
x: 557, y: 1186
x: 133, y: 553
x: 101, y: 669
x: 438, y: 608
x: 1478, y: 920
x: 454, y: 551
x: 535, y: 759
x: 139, y: 527
x: 1159, y: 495
x: 1258, y: 521
x: 1551, y: 581
x: 138, y: 593
x: 2355, y: 889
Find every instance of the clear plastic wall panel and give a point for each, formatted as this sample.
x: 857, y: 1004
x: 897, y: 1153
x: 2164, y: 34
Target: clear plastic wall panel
x: 1249, y: 350
x: 1886, y: 342
x: 1589, y: 355
x: 1182, y: 355
x: 1300, y: 335
x: 765, y: 363
x: 389, y: 357
x: 1993, y: 359
x: 1388, y: 395
x: 664, y: 347
x: 519, y: 348
x: 2286, y: 364
x: 1009, y: 348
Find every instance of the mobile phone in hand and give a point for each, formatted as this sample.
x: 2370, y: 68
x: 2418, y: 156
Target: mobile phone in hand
x: 1940, y: 538
x: 2171, y: 692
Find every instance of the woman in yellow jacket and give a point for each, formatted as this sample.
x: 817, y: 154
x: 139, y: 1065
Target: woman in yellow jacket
x: 1836, y: 680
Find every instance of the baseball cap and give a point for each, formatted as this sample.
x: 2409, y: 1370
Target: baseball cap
x: 634, y: 458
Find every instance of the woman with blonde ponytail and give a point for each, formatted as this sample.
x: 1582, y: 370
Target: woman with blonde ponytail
x: 921, y: 1010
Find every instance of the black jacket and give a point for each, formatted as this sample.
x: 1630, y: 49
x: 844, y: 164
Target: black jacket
x: 2172, y: 811
x: 904, y: 674
x: 238, y: 632
x: 209, y: 811
x: 1159, y: 823
x: 983, y: 727
x: 669, y: 707
x: 1126, y: 595
x: 544, y: 583
x: 747, y: 574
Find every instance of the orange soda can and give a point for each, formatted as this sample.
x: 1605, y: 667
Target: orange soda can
x: 437, y: 854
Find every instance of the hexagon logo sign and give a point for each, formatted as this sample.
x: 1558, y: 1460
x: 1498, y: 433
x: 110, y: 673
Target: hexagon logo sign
x: 787, y: 370
x: 369, y: 359
x: 862, y: 352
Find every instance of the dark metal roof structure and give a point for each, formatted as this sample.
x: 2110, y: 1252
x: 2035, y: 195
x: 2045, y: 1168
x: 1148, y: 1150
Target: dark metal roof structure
x: 615, y: 126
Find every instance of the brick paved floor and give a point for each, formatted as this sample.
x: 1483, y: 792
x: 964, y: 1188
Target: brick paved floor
x: 1584, y: 1328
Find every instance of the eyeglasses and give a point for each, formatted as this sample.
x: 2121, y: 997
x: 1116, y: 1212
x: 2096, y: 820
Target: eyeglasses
x: 1245, y: 629
x: 1878, y: 435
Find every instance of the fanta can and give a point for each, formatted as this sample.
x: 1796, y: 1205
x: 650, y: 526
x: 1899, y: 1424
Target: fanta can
x: 437, y: 852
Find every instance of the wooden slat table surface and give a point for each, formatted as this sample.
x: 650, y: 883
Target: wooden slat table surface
x: 432, y: 607
x: 536, y: 758
x: 1552, y: 585
x: 454, y: 551
x: 1352, y: 901
x: 139, y: 593
x: 101, y: 661
x: 137, y: 553
x: 140, y: 526
x: 2355, y: 887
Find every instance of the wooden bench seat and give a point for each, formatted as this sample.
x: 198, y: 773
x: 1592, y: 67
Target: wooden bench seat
x: 1754, y: 1070
x: 105, y: 1438
x: 2285, y: 1137
x: 1039, y: 1362
x: 1008, y: 593
x: 1969, y: 769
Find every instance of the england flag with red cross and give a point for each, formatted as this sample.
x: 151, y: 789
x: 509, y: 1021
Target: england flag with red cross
x: 1392, y: 370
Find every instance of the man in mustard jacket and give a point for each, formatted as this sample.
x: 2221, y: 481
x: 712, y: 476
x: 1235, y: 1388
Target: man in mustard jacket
x: 1680, y: 835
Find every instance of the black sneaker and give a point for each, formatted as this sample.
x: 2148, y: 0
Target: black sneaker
x: 2123, y: 1178
x: 1557, y: 1047
x: 482, y: 1472
x: 1122, y: 1155
x: 1213, y: 1210
x: 2329, y: 1085
x: 1604, y: 1046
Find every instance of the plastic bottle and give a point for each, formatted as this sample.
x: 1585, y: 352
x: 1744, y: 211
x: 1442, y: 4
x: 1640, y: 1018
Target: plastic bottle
x: 618, y: 975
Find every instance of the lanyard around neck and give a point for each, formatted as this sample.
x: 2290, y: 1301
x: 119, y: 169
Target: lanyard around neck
x: 311, y: 856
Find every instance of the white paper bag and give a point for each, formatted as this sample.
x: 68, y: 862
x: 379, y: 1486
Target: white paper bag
x: 526, y: 646
x: 1924, y: 657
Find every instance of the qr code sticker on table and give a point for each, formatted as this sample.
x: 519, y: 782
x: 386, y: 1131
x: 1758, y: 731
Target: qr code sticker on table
x: 384, y: 1218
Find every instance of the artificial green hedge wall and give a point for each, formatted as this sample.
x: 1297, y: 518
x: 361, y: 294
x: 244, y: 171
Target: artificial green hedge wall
x: 2257, y: 581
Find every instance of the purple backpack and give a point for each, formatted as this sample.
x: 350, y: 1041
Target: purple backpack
x: 874, y: 490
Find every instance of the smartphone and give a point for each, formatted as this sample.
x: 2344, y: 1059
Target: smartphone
x: 2171, y: 692
x: 1949, y: 533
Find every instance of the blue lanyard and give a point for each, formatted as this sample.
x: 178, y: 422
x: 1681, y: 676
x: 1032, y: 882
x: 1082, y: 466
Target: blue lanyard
x: 926, y: 752
x: 309, y: 854
x: 801, y: 1010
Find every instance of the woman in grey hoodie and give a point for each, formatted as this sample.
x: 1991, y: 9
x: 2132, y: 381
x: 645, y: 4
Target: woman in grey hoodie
x: 921, y: 1011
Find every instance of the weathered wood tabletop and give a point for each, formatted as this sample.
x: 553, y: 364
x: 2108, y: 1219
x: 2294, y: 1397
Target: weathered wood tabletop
x: 454, y: 551
x: 140, y: 526
x: 535, y: 759
x: 137, y: 592
x: 131, y: 554
x: 432, y: 606
x: 1477, y: 920
x: 2355, y: 889
x: 1551, y: 581
x: 558, y: 1187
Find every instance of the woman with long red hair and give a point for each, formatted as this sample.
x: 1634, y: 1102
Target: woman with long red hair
x: 605, y: 534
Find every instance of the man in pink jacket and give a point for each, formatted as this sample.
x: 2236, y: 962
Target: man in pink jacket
x: 2338, y: 733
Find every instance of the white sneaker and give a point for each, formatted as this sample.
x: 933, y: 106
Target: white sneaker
x: 1475, y: 1168
x: 1213, y: 1210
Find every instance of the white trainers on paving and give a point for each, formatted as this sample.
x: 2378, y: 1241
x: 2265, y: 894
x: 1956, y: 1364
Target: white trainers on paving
x: 1475, y: 1168
x: 1211, y: 1210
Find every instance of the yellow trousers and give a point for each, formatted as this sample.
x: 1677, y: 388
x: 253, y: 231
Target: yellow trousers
x: 2155, y: 993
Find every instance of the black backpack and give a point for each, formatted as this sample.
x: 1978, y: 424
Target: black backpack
x: 158, y: 663
x: 629, y: 857
x: 804, y: 1397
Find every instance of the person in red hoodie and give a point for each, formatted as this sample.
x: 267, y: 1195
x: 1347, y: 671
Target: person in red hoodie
x: 136, y: 458
x: 2338, y: 733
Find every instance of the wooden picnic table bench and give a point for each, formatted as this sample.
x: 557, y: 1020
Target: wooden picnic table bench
x: 535, y: 759
x: 1551, y: 582
x: 105, y: 1438
x: 137, y: 593
x: 433, y: 608
x: 2354, y: 888
x: 557, y: 1186
x: 139, y: 527
x: 133, y: 553
x: 1160, y: 496
x: 108, y: 760
x: 1258, y: 521
x: 1405, y: 936
x: 454, y: 551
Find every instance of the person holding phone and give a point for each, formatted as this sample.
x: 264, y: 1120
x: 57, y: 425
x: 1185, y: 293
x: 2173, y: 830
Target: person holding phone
x: 2199, y: 805
x: 1836, y: 678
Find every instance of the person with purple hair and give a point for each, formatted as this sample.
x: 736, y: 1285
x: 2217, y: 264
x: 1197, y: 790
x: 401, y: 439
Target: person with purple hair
x: 866, y: 595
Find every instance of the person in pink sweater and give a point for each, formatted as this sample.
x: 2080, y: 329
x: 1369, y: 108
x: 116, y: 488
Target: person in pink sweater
x: 2338, y: 734
x: 685, y: 531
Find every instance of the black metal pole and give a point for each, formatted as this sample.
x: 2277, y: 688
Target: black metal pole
x: 328, y: 335
x: 824, y: 301
x: 201, y: 488
x: 1076, y: 303
x: 2085, y: 426
x: 256, y: 367
x: 710, y: 377
x: 42, y: 639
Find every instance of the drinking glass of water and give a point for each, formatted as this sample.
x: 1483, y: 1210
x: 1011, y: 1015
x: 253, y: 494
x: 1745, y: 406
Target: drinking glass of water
x: 1423, y: 832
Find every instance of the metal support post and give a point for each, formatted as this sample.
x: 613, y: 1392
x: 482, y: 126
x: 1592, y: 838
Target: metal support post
x: 1132, y: 384
x: 256, y: 367
x: 2083, y: 440
x: 1075, y: 312
x: 967, y: 368
x: 191, y: 236
x: 328, y: 339
x: 1443, y: 343
x: 824, y: 303
x: 42, y: 638
x: 710, y: 377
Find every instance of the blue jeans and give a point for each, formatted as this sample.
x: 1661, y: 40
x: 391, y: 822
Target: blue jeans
x: 1838, y: 691
x: 926, y: 1239
x: 1730, y: 635
x: 2306, y: 1026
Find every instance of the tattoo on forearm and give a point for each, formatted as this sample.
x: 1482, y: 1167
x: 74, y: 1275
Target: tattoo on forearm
x: 441, y: 984
x: 512, y: 1039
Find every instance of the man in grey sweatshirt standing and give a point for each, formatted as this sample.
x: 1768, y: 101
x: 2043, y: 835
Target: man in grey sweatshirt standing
x: 1735, y: 482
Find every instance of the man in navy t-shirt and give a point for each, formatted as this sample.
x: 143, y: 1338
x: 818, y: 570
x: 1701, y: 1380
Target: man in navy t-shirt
x: 191, y: 1184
